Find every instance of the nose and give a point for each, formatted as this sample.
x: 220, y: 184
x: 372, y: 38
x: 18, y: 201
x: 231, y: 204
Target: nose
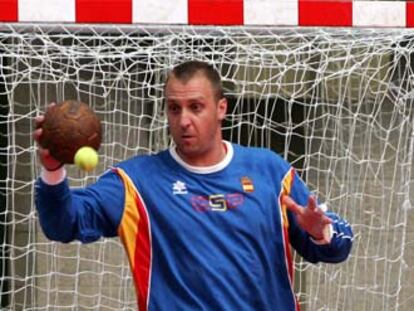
x: 185, y: 119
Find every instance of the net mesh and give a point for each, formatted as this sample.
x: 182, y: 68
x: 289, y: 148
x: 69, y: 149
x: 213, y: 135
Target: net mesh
x: 337, y: 103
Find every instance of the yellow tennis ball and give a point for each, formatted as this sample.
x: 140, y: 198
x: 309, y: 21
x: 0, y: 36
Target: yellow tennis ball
x: 86, y: 158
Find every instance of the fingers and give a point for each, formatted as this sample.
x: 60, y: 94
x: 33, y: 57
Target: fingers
x: 312, y: 219
x: 39, y: 120
x: 326, y: 220
x: 312, y: 204
x: 314, y: 207
x: 291, y: 205
x: 37, y: 133
x: 44, y: 153
x: 47, y: 160
x: 38, y: 123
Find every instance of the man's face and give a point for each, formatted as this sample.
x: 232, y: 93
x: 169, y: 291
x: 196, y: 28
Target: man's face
x: 194, y: 117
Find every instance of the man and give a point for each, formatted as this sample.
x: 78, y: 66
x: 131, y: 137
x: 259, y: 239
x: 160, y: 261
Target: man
x: 206, y: 224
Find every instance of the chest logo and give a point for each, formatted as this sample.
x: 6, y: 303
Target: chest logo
x: 247, y: 184
x: 179, y: 187
x: 217, y: 202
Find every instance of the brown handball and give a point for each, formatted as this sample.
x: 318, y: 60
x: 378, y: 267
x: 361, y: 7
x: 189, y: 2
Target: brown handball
x: 69, y: 126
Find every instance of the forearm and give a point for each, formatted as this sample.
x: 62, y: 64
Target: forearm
x: 334, y: 252
x: 341, y: 243
x: 84, y: 214
x: 54, y: 205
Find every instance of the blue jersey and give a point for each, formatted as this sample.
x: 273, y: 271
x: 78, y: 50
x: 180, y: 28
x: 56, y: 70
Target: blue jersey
x: 215, y: 238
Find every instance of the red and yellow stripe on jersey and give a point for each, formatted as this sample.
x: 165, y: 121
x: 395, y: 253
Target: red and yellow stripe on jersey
x: 135, y: 233
x: 286, y: 188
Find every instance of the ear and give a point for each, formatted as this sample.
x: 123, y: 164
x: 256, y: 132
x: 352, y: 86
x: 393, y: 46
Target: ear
x: 222, y: 108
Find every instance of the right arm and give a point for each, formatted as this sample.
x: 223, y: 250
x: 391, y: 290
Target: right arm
x: 80, y: 214
x: 84, y: 214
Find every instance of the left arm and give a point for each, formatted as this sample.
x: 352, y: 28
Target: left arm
x: 316, y: 235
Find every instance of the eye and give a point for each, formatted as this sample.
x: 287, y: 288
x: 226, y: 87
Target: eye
x: 173, y: 108
x: 196, y: 107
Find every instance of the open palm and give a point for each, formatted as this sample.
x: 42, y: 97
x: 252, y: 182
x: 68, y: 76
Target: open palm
x: 312, y: 219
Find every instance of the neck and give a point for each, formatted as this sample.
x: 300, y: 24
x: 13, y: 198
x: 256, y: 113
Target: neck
x: 215, y: 156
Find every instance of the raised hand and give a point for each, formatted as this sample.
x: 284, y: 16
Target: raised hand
x: 311, y: 219
x: 48, y: 162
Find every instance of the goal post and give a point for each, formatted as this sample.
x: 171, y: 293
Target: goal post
x: 337, y: 103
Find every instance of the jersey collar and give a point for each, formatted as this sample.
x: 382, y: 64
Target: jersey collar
x: 205, y: 169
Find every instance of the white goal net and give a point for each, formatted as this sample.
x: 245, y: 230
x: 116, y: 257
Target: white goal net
x: 337, y: 103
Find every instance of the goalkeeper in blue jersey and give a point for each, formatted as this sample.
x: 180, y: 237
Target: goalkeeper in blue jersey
x: 206, y: 224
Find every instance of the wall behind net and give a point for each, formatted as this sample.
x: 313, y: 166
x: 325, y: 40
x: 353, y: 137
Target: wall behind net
x: 336, y: 103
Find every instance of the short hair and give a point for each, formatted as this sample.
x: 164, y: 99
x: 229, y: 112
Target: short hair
x: 187, y: 70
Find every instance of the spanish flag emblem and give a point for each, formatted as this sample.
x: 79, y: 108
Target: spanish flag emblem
x: 247, y: 184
